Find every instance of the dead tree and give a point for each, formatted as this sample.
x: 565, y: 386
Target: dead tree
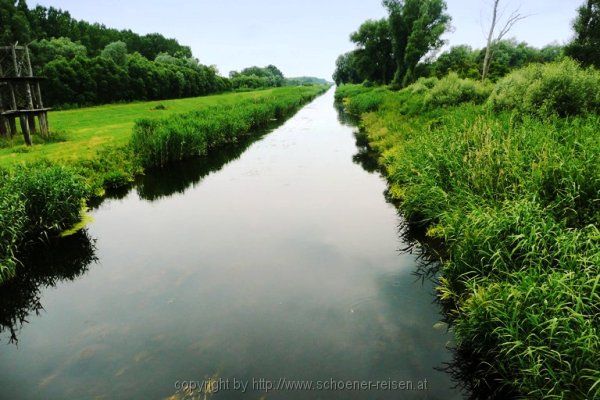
x: 492, y: 40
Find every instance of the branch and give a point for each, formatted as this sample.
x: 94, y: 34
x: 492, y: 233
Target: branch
x: 510, y: 23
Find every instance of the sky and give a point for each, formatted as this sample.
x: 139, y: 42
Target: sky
x: 301, y: 37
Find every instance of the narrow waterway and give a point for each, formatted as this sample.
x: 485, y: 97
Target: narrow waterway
x: 278, y: 259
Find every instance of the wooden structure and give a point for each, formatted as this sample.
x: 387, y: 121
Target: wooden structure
x: 20, y: 95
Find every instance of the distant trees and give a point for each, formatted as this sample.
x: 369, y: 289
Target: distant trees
x: 508, y: 55
x: 257, y: 77
x: 346, y: 69
x: 586, y: 46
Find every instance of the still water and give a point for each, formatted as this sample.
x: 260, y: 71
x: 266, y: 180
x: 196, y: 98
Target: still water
x: 277, y: 259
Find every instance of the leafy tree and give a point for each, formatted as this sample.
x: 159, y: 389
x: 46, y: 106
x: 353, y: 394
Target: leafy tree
x: 346, y: 70
x: 117, y: 52
x: 460, y: 59
x: 586, y: 46
x: 44, y: 51
x: 416, y: 28
x: 374, y: 56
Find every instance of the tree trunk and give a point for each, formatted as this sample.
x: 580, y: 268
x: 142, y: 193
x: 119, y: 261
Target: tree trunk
x: 488, y: 50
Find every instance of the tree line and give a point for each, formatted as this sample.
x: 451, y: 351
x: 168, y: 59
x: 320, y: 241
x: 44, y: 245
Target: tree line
x: 398, y: 49
x: 87, y: 64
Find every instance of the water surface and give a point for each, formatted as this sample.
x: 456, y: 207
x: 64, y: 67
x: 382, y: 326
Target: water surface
x: 278, y: 258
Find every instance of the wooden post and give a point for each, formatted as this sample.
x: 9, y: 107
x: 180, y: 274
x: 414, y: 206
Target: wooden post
x: 23, y: 119
x: 3, y: 129
x: 29, y: 92
x: 43, y: 117
x: 12, y: 124
x: 25, y: 129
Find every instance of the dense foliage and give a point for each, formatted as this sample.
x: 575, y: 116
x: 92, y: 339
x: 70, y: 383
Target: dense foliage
x: 257, y: 77
x: 462, y: 60
x: 20, y: 23
x: 513, y: 194
x: 158, y: 142
x: 390, y: 49
x: 586, y: 46
x: 73, y: 78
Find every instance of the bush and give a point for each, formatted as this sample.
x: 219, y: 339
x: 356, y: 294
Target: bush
x: 562, y: 88
x: 366, y: 102
x: 452, y: 90
x: 423, y: 85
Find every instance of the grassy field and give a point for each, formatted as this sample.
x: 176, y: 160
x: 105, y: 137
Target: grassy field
x: 508, y: 179
x: 85, y: 131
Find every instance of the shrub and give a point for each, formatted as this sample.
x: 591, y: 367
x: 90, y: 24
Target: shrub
x: 366, y: 102
x: 562, y: 88
x: 452, y: 90
x: 423, y: 85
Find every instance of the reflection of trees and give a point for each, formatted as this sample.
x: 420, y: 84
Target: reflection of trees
x: 43, y: 265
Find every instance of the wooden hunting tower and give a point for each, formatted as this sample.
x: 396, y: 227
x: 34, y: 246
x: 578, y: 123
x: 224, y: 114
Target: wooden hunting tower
x: 20, y: 94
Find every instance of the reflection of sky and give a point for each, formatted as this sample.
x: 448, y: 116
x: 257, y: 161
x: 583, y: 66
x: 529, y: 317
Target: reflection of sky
x: 301, y: 37
x: 282, y: 264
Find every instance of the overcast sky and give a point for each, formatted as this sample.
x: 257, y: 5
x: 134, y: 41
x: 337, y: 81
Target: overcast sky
x: 301, y: 37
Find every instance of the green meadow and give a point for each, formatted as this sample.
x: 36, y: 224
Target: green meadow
x: 81, y: 133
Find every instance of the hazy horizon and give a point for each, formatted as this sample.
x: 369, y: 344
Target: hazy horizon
x: 301, y: 38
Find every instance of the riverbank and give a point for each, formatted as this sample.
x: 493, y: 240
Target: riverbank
x: 44, y: 188
x: 508, y: 177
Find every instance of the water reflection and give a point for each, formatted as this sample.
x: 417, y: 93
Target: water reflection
x: 163, y: 182
x: 44, y: 265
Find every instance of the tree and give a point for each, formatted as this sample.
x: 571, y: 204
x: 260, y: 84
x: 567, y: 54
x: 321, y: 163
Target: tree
x: 374, y: 57
x: 586, y: 46
x: 416, y: 27
x: 346, y: 70
x: 460, y: 59
x: 493, y: 39
x: 117, y: 52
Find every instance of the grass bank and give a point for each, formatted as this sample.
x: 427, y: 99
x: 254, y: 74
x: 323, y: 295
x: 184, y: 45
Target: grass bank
x: 43, y: 188
x: 508, y: 177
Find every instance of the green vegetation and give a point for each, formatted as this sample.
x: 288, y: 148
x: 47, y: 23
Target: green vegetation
x: 36, y: 200
x: 257, y: 77
x: 586, y: 46
x: 158, y: 142
x: 512, y: 186
x: 43, y: 188
x: 394, y: 46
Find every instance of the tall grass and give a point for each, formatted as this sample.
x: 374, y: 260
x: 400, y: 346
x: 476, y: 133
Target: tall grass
x: 515, y: 197
x: 36, y: 200
x: 159, y: 142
